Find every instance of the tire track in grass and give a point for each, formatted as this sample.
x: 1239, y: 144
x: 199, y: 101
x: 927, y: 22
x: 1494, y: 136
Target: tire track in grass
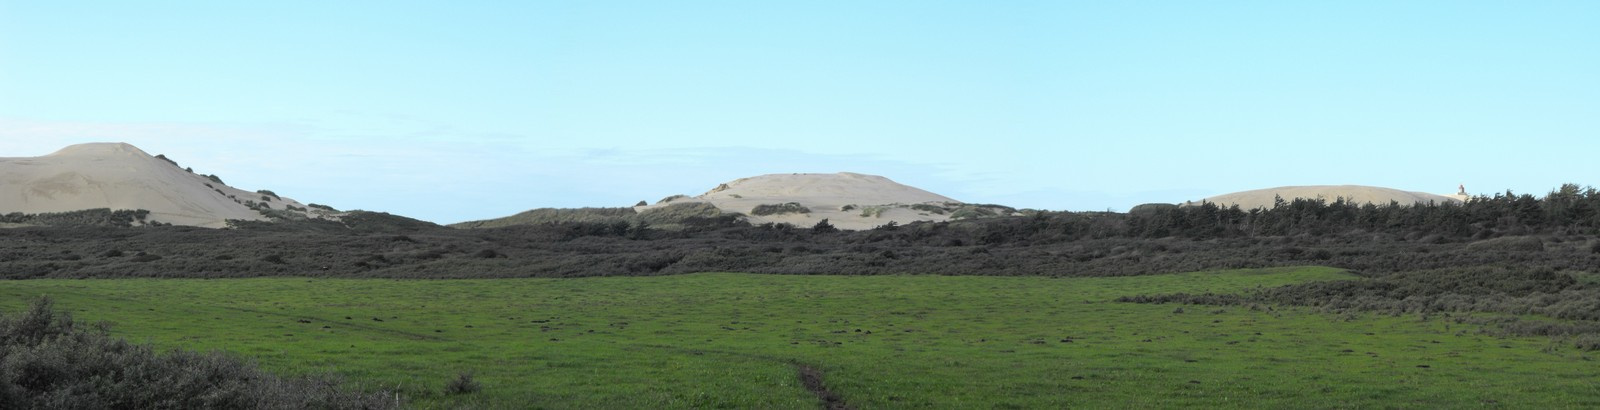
x: 813, y: 379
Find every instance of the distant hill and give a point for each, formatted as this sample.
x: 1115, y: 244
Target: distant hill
x: 847, y: 200
x: 1264, y: 198
x: 93, y: 182
x: 665, y: 217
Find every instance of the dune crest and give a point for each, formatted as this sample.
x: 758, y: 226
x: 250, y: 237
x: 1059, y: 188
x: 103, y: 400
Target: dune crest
x: 1359, y: 194
x: 847, y: 200
x: 119, y: 176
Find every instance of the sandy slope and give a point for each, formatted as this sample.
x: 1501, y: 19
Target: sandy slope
x: 121, y: 176
x: 825, y: 195
x: 1263, y: 198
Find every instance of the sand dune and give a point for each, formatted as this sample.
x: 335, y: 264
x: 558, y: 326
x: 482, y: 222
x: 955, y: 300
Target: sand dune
x: 1263, y: 198
x: 121, y: 176
x: 846, y: 200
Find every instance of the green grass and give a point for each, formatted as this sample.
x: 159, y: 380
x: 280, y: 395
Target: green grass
x: 724, y: 340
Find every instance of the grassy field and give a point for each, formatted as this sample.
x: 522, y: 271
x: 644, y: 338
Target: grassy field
x: 724, y: 340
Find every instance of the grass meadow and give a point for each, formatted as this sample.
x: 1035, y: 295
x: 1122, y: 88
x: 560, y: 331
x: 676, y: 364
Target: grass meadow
x: 729, y: 340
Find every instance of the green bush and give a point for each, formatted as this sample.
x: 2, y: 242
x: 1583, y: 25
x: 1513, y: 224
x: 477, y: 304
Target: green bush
x: 1508, y: 243
x: 163, y: 157
x: 973, y: 212
x: 48, y: 361
x: 930, y: 208
x: 121, y: 218
x: 462, y: 384
x: 873, y: 211
x: 779, y: 209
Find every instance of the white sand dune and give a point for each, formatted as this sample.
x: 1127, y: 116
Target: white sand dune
x: 1264, y: 198
x: 121, y: 176
x: 826, y: 196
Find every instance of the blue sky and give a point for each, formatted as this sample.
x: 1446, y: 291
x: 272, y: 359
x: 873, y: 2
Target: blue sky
x: 451, y: 111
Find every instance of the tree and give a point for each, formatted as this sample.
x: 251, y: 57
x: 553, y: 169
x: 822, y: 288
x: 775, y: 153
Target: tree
x: 823, y: 227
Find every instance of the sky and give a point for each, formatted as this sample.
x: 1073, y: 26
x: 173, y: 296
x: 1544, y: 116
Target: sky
x: 460, y: 110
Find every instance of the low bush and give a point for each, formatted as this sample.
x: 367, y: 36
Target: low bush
x: 1509, y: 243
x: 462, y: 384
x: 929, y: 208
x: 780, y: 209
x: 49, y: 361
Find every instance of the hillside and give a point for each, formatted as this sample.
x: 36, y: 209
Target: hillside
x: 119, y: 176
x: 1264, y: 198
x: 847, y: 200
x: 668, y: 217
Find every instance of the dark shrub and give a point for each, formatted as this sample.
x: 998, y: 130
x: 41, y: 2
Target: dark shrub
x: 929, y: 208
x: 778, y: 209
x: 462, y: 384
x: 823, y: 226
x: 1508, y: 243
x: 47, y: 362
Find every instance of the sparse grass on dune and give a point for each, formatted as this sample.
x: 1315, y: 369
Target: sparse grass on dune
x: 728, y: 340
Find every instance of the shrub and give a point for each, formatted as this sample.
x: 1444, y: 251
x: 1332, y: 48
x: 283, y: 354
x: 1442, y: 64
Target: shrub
x: 779, y: 209
x: 972, y: 212
x: 1587, y: 342
x: 462, y: 384
x: 823, y: 227
x: 873, y: 211
x: 322, y: 207
x: 163, y: 157
x: 930, y: 208
x: 1152, y: 208
x: 48, y: 361
x: 1508, y: 243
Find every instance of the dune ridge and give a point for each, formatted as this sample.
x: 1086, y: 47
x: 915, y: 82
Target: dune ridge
x: 120, y: 176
